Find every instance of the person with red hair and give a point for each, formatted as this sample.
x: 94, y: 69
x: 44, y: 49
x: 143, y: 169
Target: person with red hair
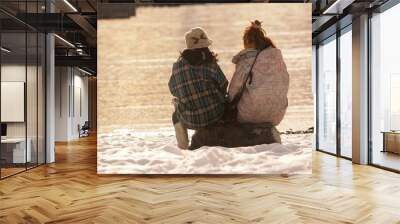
x: 264, y: 99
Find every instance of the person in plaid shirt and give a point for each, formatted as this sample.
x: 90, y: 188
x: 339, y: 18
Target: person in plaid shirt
x: 198, y: 85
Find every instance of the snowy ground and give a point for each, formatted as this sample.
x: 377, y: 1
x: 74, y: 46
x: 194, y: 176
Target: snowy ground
x: 130, y: 152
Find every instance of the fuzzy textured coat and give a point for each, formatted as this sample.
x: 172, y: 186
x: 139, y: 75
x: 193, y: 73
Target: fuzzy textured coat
x: 265, y: 99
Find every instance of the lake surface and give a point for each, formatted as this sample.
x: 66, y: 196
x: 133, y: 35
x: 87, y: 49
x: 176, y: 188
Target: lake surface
x: 135, y: 57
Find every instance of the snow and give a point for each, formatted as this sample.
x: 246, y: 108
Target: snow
x: 155, y: 152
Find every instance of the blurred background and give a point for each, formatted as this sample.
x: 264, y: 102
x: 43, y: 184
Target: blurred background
x: 136, y: 53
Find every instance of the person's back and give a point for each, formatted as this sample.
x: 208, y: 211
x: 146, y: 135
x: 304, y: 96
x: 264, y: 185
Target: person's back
x: 265, y: 99
x: 200, y: 91
x: 198, y: 85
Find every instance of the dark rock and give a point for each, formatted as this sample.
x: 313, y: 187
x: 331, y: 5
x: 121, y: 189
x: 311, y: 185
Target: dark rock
x: 233, y: 135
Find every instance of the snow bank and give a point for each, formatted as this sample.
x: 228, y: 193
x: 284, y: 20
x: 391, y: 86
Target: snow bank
x: 131, y: 152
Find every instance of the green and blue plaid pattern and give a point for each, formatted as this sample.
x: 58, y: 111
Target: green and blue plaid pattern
x: 200, y: 92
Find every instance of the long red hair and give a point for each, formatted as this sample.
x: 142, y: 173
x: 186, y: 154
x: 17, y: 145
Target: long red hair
x: 255, y: 34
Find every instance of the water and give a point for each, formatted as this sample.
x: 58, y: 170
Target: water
x: 136, y: 55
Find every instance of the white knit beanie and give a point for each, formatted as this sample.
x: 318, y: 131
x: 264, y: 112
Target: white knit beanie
x: 197, y: 38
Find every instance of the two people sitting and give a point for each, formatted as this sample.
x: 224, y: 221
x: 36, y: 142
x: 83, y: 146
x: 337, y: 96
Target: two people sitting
x: 201, y: 92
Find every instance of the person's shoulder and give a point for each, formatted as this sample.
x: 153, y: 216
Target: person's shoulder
x: 213, y: 66
x: 179, y: 64
x: 272, y: 50
x: 178, y: 61
x: 243, y: 55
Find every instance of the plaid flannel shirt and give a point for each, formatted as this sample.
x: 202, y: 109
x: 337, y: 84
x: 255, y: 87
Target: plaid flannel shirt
x: 200, y: 92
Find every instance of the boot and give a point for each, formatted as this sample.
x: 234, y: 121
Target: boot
x: 276, y: 135
x: 181, y: 135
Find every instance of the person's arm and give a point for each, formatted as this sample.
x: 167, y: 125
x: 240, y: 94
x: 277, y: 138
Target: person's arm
x: 172, y: 82
x: 235, y: 83
x: 221, y: 80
